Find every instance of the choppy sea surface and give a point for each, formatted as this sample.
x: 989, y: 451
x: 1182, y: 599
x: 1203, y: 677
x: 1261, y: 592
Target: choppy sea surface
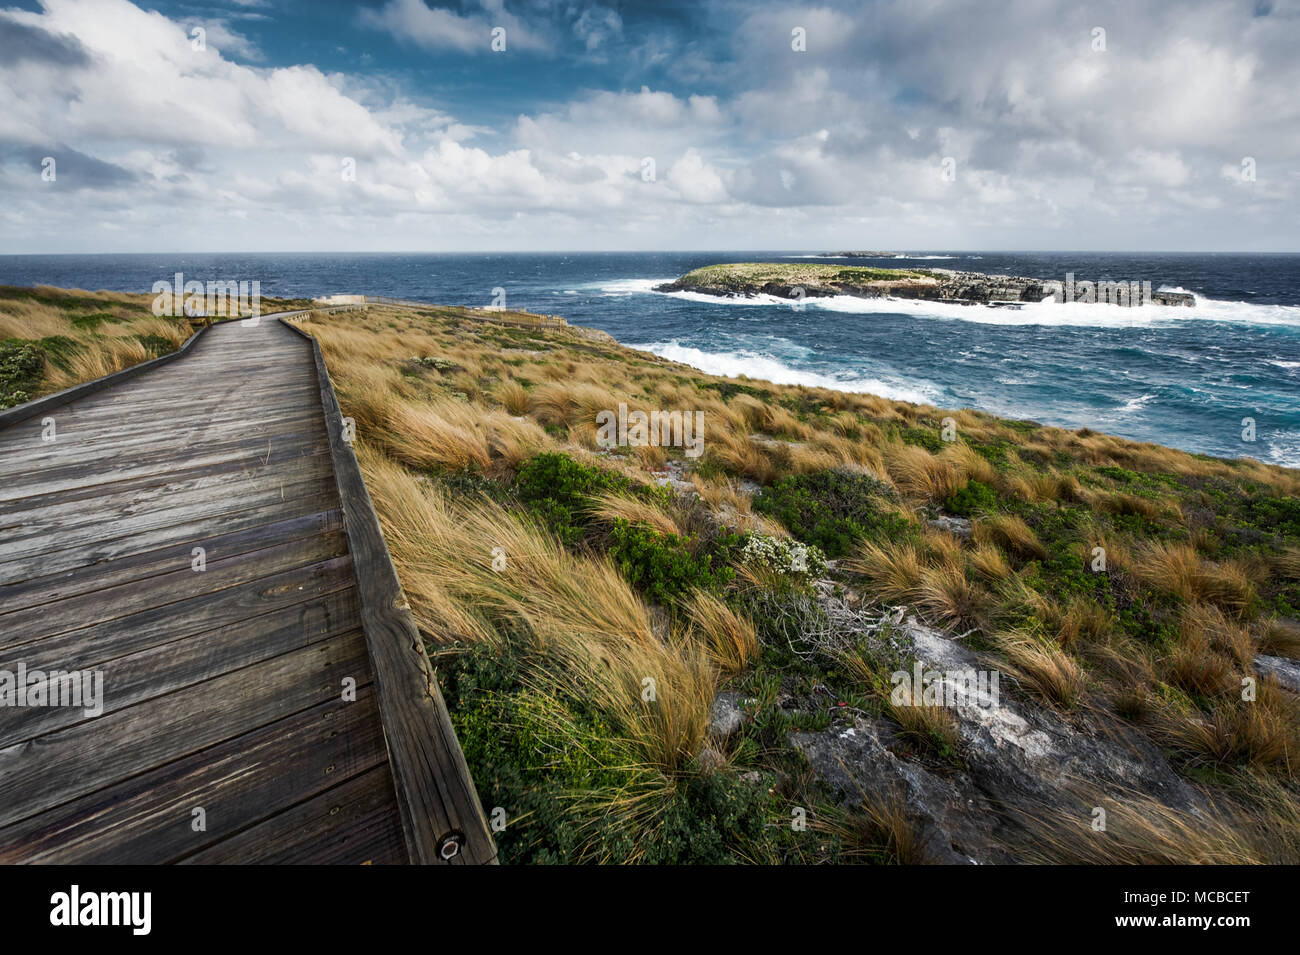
x: 1185, y: 377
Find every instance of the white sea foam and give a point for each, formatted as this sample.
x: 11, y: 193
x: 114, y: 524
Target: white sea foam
x: 1048, y: 312
x: 630, y: 286
x: 752, y: 364
x: 1134, y: 404
x: 1283, y: 448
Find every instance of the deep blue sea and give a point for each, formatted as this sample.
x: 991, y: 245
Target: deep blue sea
x: 1184, y: 377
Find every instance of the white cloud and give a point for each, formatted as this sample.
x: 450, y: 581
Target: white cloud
x: 780, y: 148
x: 436, y: 28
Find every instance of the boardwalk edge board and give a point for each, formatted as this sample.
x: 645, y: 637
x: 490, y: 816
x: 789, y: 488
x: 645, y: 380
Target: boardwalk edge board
x: 441, y: 815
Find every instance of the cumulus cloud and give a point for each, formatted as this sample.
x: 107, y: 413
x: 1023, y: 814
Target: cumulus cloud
x: 1051, y: 141
x: 437, y: 28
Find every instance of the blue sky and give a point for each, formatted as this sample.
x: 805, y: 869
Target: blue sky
x: 394, y: 125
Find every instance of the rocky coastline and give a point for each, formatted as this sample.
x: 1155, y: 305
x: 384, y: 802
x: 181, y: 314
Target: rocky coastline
x: 801, y: 281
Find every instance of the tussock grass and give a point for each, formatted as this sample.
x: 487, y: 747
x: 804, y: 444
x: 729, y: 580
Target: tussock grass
x: 612, y: 506
x: 1178, y: 569
x: 1012, y: 534
x: 729, y: 636
x: 1280, y: 638
x: 1141, y: 831
x: 588, y: 633
x: 1042, y: 668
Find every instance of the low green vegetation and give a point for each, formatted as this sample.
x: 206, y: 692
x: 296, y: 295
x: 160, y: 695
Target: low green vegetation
x: 834, y: 509
x: 22, y: 365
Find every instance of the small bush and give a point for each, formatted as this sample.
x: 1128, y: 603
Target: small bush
x: 22, y: 366
x: 975, y: 498
x: 59, y: 350
x: 560, y: 490
x: 660, y: 565
x: 833, y: 509
x: 780, y: 555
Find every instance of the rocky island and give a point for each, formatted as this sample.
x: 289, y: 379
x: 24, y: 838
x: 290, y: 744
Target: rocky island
x: 801, y: 280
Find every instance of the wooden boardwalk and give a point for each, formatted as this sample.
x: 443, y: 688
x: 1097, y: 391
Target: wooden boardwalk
x: 189, y: 535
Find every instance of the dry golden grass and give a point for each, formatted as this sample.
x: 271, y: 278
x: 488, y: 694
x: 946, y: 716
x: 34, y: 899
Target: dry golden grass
x: 1288, y: 564
x: 1141, y: 831
x: 1081, y: 621
x: 1236, y: 733
x: 729, y: 636
x: 1179, y: 569
x: 969, y: 463
x: 877, y: 829
x: 513, y: 396
x: 111, y: 355
x: 613, y: 506
x: 1280, y: 638
x: 1012, y: 534
x: 945, y: 596
x: 593, y: 636
x: 894, y: 569
x: 989, y: 563
x: 1042, y: 668
x: 921, y: 475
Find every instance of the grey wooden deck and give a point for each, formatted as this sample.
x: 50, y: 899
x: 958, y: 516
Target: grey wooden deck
x: 223, y: 688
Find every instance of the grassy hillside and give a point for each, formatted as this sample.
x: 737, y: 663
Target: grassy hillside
x: 585, y: 605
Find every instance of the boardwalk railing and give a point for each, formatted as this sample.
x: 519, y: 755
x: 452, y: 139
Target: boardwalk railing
x: 441, y: 814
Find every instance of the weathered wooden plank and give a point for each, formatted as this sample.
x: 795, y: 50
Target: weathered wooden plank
x: 163, y: 481
x: 181, y: 583
x: 82, y: 473
x: 78, y: 521
x: 149, y: 628
x: 193, y: 657
x: 355, y: 823
x: 149, y: 818
x: 92, y: 552
x: 83, y: 580
x: 81, y: 759
x: 163, y: 426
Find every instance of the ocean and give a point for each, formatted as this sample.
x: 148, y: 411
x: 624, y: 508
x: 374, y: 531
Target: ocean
x: 1184, y: 377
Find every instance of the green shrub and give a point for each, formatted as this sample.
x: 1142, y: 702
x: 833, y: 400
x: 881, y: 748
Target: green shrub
x: 661, y: 565
x: 155, y: 345
x: 558, y: 489
x: 927, y: 438
x: 22, y: 366
x: 833, y: 509
x: 550, y: 761
x: 975, y: 498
